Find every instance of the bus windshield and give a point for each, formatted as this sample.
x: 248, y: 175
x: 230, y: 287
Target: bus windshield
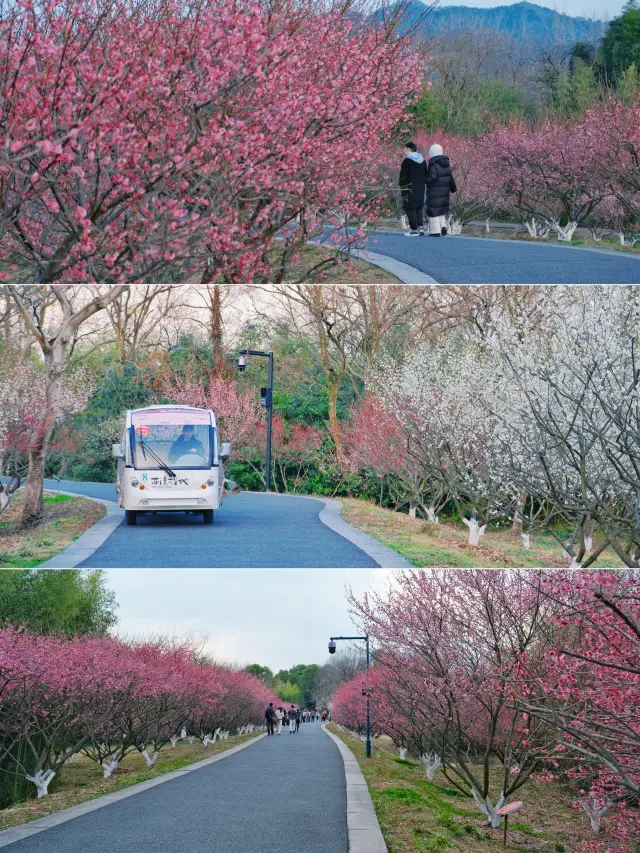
x: 178, y: 442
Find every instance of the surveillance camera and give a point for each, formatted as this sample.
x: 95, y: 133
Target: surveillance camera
x: 242, y: 363
x: 332, y: 647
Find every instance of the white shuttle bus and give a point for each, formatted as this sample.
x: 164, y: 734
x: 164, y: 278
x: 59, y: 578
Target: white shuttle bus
x: 169, y: 460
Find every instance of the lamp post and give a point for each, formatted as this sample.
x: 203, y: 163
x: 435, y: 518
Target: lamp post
x: 266, y: 398
x: 367, y: 692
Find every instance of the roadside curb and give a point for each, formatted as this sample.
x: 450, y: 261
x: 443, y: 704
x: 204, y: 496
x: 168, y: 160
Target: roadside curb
x: 406, y: 273
x: 17, y: 833
x: 385, y: 557
x: 87, y: 544
x: 365, y: 835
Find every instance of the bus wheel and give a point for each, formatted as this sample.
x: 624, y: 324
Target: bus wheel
x: 207, y: 516
x: 132, y: 516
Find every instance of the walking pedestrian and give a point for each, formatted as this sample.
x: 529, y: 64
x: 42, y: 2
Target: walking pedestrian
x: 279, y: 719
x: 292, y: 719
x: 440, y: 185
x: 413, y: 175
x: 298, y: 717
x: 270, y: 716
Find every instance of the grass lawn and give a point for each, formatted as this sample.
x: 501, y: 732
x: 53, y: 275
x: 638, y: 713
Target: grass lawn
x: 82, y: 779
x: 445, y: 545
x: 65, y: 519
x: 353, y: 272
x: 416, y: 815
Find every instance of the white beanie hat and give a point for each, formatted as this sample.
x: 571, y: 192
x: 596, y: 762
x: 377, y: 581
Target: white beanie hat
x: 436, y: 151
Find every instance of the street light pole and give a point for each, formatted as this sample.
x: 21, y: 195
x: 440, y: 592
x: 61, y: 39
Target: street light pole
x: 368, y: 691
x: 268, y: 404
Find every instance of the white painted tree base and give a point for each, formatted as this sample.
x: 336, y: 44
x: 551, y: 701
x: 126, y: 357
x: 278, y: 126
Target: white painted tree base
x: 42, y: 780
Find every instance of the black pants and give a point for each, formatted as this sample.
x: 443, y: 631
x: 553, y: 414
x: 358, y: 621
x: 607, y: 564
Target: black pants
x: 297, y: 724
x: 269, y: 725
x: 415, y: 217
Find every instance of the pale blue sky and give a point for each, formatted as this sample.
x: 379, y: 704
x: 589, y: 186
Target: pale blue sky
x: 275, y: 617
x: 604, y: 9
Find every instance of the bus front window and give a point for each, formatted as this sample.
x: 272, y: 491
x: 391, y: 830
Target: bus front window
x: 179, y: 446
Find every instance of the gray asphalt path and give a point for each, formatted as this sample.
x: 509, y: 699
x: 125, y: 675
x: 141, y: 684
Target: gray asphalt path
x: 249, y: 531
x: 284, y: 794
x: 476, y: 260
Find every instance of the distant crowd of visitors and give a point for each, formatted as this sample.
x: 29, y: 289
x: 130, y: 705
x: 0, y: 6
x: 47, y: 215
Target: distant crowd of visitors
x: 278, y: 717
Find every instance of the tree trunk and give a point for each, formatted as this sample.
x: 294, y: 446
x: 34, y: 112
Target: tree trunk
x: 216, y: 330
x: 33, y: 503
x: 333, y: 389
x: 33, y: 506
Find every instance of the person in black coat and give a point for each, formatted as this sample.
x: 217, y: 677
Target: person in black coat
x: 413, y: 174
x: 440, y: 185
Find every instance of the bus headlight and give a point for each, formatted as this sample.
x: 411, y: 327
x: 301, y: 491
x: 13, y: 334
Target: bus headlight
x: 211, y: 482
x: 134, y: 482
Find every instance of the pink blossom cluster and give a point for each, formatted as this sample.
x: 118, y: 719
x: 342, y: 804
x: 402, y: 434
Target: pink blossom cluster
x: 140, y: 136
x: 106, y: 698
x: 512, y: 675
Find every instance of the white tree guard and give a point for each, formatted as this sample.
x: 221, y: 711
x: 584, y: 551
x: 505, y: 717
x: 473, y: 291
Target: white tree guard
x: 487, y: 226
x: 403, y: 752
x: 412, y: 510
x: 526, y: 540
x: 109, y: 767
x: 536, y: 229
x: 565, y: 232
x: 431, y: 515
x: 594, y: 811
x: 432, y: 762
x: 588, y: 543
x: 149, y: 760
x: 42, y: 780
x: 476, y: 530
x: 454, y: 225
x: 206, y: 740
x: 404, y: 222
x: 183, y: 734
x: 174, y: 740
x: 488, y: 809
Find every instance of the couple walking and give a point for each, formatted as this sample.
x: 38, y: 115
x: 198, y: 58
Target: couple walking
x: 277, y: 717
x: 436, y: 177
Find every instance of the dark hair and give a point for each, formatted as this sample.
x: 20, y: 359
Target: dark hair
x: 188, y: 426
x: 411, y: 146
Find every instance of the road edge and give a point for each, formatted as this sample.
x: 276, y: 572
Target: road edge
x: 385, y: 557
x: 87, y: 544
x: 17, y: 833
x: 405, y: 272
x: 363, y: 827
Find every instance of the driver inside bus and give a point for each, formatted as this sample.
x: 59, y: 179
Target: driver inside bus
x: 186, y: 443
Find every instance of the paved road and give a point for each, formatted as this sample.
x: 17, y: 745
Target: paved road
x: 250, y: 531
x: 284, y: 794
x: 476, y: 260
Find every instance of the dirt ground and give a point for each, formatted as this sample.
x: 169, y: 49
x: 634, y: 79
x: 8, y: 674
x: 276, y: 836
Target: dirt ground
x: 64, y: 520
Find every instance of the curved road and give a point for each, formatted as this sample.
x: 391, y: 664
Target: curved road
x: 478, y: 260
x: 279, y: 795
x: 251, y: 530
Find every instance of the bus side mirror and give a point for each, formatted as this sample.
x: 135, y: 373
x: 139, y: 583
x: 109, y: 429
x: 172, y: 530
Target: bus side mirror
x: 116, y: 451
x: 225, y: 450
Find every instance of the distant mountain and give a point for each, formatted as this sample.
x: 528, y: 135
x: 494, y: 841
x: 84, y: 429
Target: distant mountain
x: 523, y: 21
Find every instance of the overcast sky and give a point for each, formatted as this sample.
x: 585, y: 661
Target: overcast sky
x: 275, y: 617
x: 603, y: 9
